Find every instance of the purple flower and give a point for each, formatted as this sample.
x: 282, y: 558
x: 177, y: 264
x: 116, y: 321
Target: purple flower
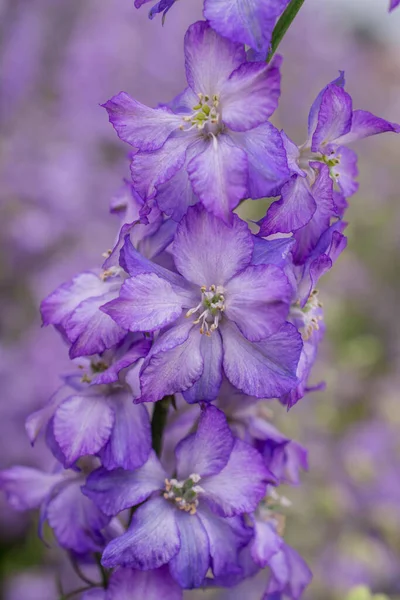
x: 214, y: 142
x: 94, y: 413
x: 74, y: 309
x: 250, y: 24
x: 192, y: 521
x: 393, y: 4
x: 77, y: 523
x: 138, y: 585
x: 306, y: 199
x: 290, y: 575
x: 240, y: 309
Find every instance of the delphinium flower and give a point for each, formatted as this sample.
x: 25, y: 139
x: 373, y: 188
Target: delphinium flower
x: 251, y: 23
x: 332, y: 124
x: 218, y: 313
x: 194, y: 520
x: 213, y: 143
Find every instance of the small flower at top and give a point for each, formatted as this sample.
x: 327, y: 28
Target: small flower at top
x: 213, y: 143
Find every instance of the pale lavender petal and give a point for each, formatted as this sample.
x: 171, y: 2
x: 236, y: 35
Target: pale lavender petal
x: 82, y: 425
x: 334, y: 117
x: 173, y: 370
x: 149, y: 170
x: 132, y: 584
x: 218, y: 176
x: 190, y: 565
x: 75, y: 520
x: 37, y: 420
x: 90, y: 330
x: 265, y: 369
x: 257, y: 300
x: 267, y: 160
x: 290, y: 574
x: 146, y: 303
x: 25, y: 487
x: 144, y: 128
x: 347, y: 171
x: 294, y: 210
x: 226, y: 537
x: 364, y: 124
x: 207, y: 387
x: 272, y: 252
x: 129, y: 444
x: 115, y: 491
x: 152, y: 539
x: 266, y: 543
x: 57, y: 307
x: 207, y: 451
x: 313, y: 115
x: 241, y: 484
x: 209, y: 58
x: 208, y: 252
x: 250, y: 23
x: 134, y: 263
x: 308, y: 236
x: 249, y: 97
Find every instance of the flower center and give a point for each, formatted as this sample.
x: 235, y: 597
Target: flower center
x: 184, y: 493
x: 332, y: 160
x: 211, y: 305
x: 310, y: 315
x: 205, y: 116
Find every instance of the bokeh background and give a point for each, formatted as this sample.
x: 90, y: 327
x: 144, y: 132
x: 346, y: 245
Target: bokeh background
x: 60, y: 163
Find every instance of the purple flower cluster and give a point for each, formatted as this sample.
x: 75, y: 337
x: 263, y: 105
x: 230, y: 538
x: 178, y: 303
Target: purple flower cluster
x: 166, y: 463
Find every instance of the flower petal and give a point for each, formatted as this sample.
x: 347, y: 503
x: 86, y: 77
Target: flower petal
x: 334, y: 117
x: 250, y: 22
x: 207, y: 387
x: 75, y: 519
x: 209, y: 58
x: 26, y: 487
x: 248, y: 98
x: 265, y: 369
x: 146, y: 303
x: 152, y: 539
x: 90, y: 330
x: 226, y: 537
x: 294, y: 210
x: 272, y: 252
x: 266, y: 543
x: 132, y: 584
x: 190, y: 565
x: 313, y: 115
x: 144, y: 128
x: 267, y: 161
x: 347, y: 171
x: 208, y: 252
x: 241, y: 484
x: 218, y: 176
x: 82, y: 425
x: 207, y: 451
x: 129, y: 444
x: 58, y: 306
x: 115, y: 491
x: 257, y: 300
x: 151, y: 169
x: 364, y: 124
x: 173, y: 370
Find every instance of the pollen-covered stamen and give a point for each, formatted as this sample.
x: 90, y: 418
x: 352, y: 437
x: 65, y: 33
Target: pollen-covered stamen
x: 111, y: 272
x: 184, y: 493
x: 332, y: 161
x: 211, y: 307
x: 205, y: 114
x: 310, y: 314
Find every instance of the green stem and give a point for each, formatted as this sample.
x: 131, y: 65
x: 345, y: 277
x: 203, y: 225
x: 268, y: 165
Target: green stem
x: 283, y: 25
x: 158, y: 422
x: 103, y: 571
